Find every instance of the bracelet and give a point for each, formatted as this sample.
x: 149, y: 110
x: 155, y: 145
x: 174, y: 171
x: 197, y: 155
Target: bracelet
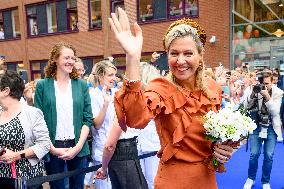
x: 131, y: 81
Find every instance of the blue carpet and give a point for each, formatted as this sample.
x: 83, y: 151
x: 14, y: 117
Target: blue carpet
x: 237, y: 167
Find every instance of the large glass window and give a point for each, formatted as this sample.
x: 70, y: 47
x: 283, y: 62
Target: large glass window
x: 9, y: 24
x: 166, y: 9
x: 256, y: 32
x: 52, y: 17
x: 95, y: 14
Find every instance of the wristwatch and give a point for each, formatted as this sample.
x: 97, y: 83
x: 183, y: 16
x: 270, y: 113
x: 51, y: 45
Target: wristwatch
x: 23, y: 155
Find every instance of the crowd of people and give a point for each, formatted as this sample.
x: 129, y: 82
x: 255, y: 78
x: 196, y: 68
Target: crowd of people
x: 45, y: 125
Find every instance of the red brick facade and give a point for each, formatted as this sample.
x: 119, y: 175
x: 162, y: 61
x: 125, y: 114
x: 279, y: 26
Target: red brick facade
x: 214, y: 16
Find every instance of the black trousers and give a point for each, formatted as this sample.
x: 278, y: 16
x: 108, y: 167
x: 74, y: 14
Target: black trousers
x: 124, y: 168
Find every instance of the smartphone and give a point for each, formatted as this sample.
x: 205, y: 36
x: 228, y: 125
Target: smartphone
x: 2, y: 151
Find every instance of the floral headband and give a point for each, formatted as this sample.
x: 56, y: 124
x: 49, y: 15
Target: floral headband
x: 182, y: 28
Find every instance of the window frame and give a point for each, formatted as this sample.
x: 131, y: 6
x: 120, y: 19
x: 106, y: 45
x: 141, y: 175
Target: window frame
x: 32, y: 72
x: 15, y: 64
x: 90, y: 19
x: 69, y: 30
x: 1, y: 12
x: 168, y: 16
x: 112, y: 2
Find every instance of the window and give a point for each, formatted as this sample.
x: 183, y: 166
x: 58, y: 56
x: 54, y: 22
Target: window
x: 9, y: 24
x: 72, y: 15
x: 115, y: 4
x: 32, y: 21
x: 160, y: 9
x: 15, y: 66
x: 119, y: 62
x: 37, y: 69
x: 254, y: 33
x: 89, y: 63
x: 95, y: 14
x: 52, y: 17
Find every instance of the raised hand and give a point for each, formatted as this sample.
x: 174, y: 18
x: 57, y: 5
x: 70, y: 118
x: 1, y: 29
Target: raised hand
x: 106, y: 96
x: 131, y: 43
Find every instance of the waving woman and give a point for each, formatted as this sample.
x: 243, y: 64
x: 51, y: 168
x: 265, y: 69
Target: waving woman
x: 175, y: 102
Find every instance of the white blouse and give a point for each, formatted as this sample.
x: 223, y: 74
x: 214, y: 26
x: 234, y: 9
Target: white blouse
x: 64, y: 110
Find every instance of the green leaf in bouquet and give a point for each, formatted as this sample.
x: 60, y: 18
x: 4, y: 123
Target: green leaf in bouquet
x: 215, y: 162
x: 211, y: 138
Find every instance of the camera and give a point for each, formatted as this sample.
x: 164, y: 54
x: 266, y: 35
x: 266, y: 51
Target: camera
x: 257, y: 88
x: 264, y: 123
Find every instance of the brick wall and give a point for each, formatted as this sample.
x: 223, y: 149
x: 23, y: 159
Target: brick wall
x: 214, y: 16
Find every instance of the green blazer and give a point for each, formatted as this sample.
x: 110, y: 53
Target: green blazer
x: 82, y: 111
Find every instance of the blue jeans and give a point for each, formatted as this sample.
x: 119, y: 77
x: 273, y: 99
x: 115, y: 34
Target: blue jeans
x: 268, y: 151
x: 56, y: 165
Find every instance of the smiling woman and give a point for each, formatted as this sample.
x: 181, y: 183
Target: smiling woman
x: 65, y: 102
x: 175, y: 102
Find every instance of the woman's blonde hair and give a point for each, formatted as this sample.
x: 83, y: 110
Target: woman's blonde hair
x: 184, y: 28
x: 148, y: 73
x: 99, y: 70
x: 50, y: 69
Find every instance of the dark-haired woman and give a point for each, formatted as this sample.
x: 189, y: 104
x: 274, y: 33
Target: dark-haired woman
x: 23, y: 132
x: 65, y: 102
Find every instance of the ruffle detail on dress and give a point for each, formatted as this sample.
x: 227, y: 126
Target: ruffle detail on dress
x: 185, y: 105
x: 169, y: 100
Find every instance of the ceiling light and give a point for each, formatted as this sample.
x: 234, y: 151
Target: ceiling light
x: 278, y: 33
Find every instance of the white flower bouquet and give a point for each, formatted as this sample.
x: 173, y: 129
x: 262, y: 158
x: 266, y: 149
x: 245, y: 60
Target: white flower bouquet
x: 228, y: 126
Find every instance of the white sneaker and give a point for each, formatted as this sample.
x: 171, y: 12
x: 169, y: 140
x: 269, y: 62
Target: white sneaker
x: 266, y: 186
x: 249, y: 183
x: 279, y: 139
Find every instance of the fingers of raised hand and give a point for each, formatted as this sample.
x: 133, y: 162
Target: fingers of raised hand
x: 116, y: 23
x: 123, y: 19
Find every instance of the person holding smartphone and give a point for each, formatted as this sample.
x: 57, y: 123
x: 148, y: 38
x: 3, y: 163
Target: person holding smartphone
x: 102, y: 97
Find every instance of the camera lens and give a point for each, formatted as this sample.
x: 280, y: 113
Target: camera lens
x: 256, y: 88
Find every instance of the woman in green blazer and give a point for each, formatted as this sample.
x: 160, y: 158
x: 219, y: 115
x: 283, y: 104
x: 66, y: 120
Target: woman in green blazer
x: 65, y: 102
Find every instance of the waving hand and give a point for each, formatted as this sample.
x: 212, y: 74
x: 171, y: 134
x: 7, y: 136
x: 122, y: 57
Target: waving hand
x: 131, y: 43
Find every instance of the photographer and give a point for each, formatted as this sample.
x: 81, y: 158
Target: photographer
x: 263, y: 101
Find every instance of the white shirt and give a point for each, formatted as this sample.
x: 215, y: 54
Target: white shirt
x: 2, y: 35
x: 64, y: 110
x: 100, y: 135
x: 130, y: 133
x: 148, y: 139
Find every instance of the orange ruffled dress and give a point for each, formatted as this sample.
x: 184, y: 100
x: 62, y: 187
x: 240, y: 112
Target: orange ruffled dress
x: 177, y: 115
